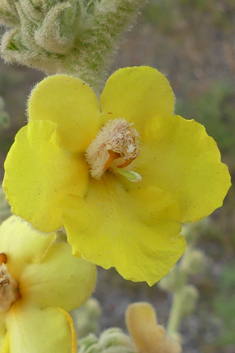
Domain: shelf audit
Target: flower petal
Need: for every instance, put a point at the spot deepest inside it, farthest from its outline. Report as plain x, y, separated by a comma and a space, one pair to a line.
39, 173
4, 336
137, 94
179, 157
13, 233
72, 105
142, 324
147, 335
59, 280
135, 231
35, 330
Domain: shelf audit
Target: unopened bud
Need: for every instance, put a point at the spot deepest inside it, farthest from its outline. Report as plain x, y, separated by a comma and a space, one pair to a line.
112, 340
86, 318
114, 337
173, 281
94, 348
93, 307
119, 349
72, 37
86, 342
147, 335
189, 299
193, 262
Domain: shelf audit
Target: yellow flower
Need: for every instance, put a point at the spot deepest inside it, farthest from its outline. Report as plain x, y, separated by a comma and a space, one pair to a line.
120, 176
39, 282
147, 335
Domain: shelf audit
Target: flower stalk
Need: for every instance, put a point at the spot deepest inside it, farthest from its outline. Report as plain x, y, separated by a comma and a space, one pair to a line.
185, 296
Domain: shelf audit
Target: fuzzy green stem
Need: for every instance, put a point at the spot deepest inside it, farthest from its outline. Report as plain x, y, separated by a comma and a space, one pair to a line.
175, 313
176, 309
101, 38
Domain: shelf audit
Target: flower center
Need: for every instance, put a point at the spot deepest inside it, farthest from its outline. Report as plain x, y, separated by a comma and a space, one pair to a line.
115, 147
9, 291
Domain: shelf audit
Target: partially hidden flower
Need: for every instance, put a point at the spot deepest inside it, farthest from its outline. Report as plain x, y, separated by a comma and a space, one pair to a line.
148, 336
120, 175
40, 281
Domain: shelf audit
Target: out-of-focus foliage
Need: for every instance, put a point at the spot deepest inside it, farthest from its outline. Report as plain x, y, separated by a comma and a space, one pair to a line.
4, 207
225, 305
4, 116
168, 14
216, 111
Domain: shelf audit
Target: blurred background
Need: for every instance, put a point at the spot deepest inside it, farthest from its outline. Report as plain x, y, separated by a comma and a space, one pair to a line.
193, 44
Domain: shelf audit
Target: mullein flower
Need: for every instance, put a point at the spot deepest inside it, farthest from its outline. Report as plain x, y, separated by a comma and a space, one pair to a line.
40, 281
119, 176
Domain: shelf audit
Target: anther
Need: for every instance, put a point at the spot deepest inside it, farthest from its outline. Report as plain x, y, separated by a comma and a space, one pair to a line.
3, 258
116, 145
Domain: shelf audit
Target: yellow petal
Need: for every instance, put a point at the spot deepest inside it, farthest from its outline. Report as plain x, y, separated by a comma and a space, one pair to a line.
22, 244
59, 280
72, 105
142, 323
38, 173
148, 337
35, 330
136, 231
4, 336
137, 94
179, 157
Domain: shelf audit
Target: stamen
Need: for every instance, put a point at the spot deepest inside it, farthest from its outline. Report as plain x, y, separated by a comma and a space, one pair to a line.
8, 288
112, 157
115, 145
3, 258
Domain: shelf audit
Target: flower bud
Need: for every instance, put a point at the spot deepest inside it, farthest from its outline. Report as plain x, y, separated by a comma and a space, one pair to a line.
189, 299
114, 337
86, 318
173, 280
112, 340
86, 342
147, 335
193, 261
68, 36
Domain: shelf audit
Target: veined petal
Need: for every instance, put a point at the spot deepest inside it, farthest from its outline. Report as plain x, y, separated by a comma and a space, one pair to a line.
38, 173
60, 279
72, 105
13, 233
35, 330
137, 94
135, 231
179, 157
4, 336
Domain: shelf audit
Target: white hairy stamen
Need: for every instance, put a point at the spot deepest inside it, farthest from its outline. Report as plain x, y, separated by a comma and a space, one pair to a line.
116, 144
8, 289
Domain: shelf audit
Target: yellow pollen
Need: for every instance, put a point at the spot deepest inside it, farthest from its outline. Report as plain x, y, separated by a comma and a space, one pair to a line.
116, 144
